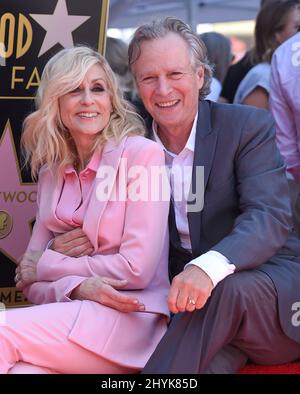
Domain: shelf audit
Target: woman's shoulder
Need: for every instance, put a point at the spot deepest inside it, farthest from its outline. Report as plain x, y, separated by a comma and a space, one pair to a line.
140, 150
137, 143
47, 175
44, 171
259, 75
259, 69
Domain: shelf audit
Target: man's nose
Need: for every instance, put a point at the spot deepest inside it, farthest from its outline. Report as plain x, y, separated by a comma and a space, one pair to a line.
163, 86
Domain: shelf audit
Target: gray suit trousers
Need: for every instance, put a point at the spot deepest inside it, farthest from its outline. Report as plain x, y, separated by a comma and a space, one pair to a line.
238, 323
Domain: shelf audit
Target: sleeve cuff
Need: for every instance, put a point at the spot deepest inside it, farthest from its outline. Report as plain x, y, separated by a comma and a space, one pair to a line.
215, 265
74, 282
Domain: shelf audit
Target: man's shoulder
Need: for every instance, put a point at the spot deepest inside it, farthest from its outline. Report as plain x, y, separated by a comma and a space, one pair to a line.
236, 114
235, 123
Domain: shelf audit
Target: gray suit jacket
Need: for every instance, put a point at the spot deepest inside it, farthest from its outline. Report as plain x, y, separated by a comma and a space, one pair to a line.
246, 214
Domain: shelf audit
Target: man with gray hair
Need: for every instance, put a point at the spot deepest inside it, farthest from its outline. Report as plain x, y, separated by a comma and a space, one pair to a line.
234, 263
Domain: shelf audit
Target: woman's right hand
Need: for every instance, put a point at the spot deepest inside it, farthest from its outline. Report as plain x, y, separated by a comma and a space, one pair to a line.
73, 243
104, 290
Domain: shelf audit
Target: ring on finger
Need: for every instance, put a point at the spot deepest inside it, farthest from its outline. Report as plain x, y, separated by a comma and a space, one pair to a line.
191, 301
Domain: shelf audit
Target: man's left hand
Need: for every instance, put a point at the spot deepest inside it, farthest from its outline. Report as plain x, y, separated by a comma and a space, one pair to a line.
189, 290
26, 270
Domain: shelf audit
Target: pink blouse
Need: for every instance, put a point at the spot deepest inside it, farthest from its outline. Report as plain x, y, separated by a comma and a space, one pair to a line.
76, 192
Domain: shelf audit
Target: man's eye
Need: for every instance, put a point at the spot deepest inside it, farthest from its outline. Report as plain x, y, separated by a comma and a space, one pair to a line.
176, 75
148, 79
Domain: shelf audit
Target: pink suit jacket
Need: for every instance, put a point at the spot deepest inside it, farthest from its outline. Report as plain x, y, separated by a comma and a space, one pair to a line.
130, 239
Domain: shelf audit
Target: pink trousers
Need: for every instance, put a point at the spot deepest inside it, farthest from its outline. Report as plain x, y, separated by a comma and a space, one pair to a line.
34, 340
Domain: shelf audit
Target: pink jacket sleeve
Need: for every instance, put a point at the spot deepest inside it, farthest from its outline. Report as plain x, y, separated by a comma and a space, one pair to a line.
47, 291
142, 241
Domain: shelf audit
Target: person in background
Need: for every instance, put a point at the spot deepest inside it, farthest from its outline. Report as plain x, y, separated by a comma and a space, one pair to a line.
102, 300
234, 262
238, 71
219, 55
116, 53
285, 107
277, 21
235, 74
285, 102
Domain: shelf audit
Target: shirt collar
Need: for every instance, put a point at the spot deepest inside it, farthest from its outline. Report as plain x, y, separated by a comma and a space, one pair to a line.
190, 144
93, 164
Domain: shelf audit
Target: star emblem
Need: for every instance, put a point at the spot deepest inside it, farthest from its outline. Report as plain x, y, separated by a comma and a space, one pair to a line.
59, 26
18, 206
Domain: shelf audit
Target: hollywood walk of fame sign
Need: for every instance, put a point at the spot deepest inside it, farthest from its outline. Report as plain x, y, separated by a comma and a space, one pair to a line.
30, 33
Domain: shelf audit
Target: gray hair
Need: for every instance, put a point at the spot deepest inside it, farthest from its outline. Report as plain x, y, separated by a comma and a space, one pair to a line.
159, 29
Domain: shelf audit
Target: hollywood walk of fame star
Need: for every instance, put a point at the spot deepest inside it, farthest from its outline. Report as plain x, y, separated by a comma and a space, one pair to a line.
17, 199
59, 26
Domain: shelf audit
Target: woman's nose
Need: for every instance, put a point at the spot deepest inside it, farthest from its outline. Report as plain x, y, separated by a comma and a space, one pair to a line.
87, 97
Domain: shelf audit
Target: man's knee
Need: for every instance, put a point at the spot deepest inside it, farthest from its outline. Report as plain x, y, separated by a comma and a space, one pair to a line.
245, 287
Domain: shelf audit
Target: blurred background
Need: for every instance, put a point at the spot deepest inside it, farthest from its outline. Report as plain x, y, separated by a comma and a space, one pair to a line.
233, 18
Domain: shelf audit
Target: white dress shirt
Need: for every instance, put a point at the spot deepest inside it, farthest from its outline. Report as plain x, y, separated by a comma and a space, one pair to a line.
216, 266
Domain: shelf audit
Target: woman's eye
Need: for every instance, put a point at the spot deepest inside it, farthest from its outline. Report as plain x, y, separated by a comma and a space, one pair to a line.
76, 90
98, 88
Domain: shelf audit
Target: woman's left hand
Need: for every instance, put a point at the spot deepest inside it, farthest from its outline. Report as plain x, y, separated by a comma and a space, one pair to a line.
26, 270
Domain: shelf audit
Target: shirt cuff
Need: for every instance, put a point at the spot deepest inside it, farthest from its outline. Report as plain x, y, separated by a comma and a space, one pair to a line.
214, 264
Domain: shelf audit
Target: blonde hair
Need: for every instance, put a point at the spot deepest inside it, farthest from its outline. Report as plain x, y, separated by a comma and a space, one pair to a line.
45, 140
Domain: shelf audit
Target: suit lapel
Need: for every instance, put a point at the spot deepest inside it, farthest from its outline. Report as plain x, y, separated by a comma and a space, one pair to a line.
111, 157
49, 202
174, 235
205, 145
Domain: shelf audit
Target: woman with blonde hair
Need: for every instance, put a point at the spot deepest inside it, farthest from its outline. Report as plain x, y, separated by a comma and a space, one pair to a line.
103, 295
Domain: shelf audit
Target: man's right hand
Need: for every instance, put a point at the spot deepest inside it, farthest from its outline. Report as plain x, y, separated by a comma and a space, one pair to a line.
191, 284
73, 243
104, 291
